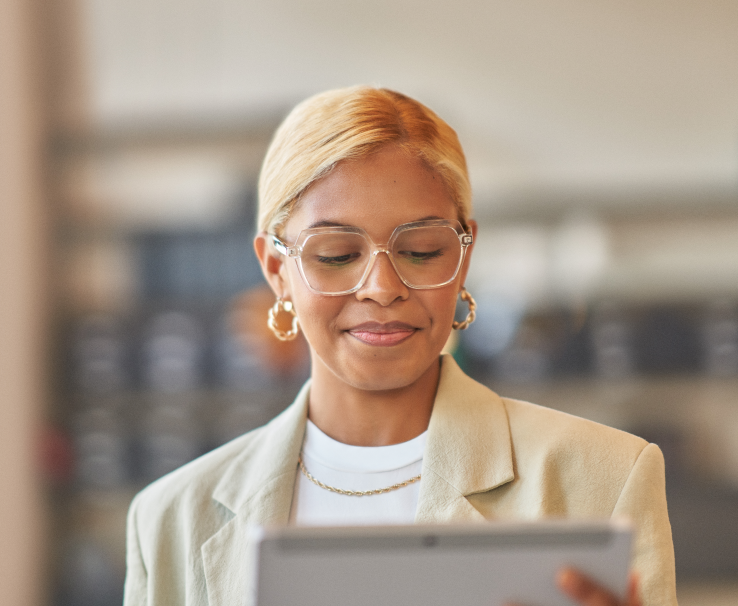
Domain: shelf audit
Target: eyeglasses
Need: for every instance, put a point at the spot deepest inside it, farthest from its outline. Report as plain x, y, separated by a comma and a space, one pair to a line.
338, 260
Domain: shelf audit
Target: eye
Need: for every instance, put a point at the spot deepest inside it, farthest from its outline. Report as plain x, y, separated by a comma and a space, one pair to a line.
419, 257
338, 261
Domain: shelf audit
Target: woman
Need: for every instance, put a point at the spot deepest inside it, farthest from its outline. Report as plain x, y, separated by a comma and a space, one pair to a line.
366, 239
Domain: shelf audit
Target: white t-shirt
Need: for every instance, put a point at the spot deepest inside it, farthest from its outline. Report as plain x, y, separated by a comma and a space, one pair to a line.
356, 468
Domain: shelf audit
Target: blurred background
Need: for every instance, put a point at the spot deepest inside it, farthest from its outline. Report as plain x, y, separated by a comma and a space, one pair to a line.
602, 139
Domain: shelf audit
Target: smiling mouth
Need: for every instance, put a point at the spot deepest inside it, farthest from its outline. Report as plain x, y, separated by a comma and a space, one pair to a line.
375, 333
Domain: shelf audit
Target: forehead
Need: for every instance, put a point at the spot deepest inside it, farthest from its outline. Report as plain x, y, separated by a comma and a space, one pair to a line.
376, 193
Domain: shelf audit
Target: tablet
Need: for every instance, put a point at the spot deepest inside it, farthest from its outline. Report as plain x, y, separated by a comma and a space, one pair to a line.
461, 565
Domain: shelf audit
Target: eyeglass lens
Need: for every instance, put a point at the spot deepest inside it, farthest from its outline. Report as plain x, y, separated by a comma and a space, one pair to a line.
423, 256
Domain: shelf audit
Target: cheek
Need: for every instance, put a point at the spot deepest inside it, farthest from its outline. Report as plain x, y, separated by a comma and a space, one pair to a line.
441, 307
317, 315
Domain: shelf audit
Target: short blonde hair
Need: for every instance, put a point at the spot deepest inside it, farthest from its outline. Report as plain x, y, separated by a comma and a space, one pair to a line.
351, 123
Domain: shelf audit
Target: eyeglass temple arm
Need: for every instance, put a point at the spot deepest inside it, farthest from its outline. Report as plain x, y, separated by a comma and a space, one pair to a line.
289, 251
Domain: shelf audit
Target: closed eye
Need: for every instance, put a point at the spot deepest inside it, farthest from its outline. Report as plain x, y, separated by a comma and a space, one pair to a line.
419, 257
339, 260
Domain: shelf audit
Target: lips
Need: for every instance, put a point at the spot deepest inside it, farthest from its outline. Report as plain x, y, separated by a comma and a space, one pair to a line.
376, 333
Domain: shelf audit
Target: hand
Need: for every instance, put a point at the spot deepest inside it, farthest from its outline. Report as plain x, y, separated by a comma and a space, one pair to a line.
586, 592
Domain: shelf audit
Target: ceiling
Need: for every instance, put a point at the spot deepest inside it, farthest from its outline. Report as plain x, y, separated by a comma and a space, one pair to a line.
559, 103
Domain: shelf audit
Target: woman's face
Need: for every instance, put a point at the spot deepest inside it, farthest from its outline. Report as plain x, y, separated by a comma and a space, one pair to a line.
385, 335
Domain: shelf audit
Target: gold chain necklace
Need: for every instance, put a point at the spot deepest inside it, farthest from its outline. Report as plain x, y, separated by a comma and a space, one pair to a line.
354, 493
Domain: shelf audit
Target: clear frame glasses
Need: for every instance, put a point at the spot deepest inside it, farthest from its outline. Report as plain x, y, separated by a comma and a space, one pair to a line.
337, 260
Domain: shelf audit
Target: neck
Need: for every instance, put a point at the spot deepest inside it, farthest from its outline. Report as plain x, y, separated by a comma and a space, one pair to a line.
363, 417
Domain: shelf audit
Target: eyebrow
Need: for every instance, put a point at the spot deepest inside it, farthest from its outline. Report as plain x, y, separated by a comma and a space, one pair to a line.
334, 224
328, 224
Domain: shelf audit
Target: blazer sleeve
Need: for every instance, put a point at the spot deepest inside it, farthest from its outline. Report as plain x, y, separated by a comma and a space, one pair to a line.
135, 592
643, 501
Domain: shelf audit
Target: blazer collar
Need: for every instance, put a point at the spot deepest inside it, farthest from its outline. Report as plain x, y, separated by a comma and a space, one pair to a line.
469, 449
257, 487
269, 458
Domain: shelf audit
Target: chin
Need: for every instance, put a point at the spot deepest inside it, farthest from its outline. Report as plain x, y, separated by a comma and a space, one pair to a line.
381, 383
375, 374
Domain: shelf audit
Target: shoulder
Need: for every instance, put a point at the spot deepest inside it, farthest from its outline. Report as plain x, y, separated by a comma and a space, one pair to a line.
175, 516
191, 487
550, 430
569, 465
533, 430
467, 409
233, 471
215, 485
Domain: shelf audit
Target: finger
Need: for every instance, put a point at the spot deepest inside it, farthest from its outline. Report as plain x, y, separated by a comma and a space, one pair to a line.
634, 590
584, 590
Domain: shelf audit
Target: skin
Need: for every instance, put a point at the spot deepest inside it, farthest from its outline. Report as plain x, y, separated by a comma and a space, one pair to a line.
375, 353
371, 388
586, 592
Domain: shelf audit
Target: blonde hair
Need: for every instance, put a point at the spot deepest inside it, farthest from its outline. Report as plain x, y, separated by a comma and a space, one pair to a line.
351, 123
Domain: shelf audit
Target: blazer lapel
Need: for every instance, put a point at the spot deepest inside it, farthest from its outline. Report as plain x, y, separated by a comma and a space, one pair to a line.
257, 487
468, 451
469, 448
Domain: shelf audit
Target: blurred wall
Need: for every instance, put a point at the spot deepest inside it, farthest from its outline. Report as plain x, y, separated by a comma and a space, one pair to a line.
22, 303
601, 139
552, 100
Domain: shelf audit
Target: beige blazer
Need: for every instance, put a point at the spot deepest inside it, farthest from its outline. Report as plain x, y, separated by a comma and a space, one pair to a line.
487, 458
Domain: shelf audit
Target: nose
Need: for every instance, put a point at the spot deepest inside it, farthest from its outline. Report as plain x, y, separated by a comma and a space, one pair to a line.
383, 285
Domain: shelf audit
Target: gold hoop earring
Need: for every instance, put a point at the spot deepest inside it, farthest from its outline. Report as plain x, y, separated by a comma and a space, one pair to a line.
283, 307
471, 316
